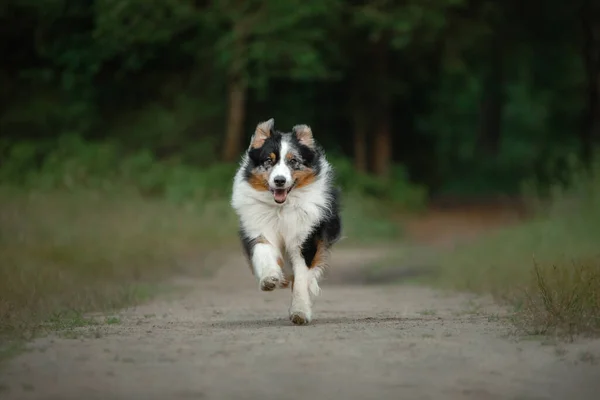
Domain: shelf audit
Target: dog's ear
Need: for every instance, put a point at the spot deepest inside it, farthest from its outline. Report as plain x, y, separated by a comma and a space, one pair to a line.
262, 133
304, 135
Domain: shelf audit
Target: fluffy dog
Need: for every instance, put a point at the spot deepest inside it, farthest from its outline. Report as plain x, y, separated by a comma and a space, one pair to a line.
288, 209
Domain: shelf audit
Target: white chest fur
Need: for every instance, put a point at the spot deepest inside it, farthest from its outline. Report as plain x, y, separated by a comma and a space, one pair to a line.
285, 226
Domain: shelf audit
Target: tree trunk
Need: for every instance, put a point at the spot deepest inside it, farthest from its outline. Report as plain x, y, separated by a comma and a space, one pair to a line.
382, 146
360, 142
590, 132
236, 104
492, 104
236, 111
359, 130
382, 154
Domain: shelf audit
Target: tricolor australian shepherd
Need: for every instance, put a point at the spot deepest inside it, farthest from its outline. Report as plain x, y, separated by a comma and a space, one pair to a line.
284, 197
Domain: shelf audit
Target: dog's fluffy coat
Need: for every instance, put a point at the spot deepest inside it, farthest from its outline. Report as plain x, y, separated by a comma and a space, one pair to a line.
288, 208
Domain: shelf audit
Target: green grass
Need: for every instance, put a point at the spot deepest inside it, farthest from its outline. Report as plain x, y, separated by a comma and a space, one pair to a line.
66, 252
495, 262
547, 268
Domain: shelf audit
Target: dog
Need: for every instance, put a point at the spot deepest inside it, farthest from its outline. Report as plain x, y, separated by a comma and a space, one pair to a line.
289, 213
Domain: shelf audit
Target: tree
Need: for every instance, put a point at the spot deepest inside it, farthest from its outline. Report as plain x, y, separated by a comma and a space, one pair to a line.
260, 40
493, 82
590, 26
392, 27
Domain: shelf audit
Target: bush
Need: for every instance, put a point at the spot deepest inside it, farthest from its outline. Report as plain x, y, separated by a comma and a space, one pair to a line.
71, 163
397, 190
564, 296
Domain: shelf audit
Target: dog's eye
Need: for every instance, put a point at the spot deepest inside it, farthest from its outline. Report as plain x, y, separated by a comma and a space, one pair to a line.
268, 162
294, 162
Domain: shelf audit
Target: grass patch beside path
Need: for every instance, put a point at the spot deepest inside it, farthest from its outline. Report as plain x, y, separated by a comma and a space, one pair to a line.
79, 252
548, 268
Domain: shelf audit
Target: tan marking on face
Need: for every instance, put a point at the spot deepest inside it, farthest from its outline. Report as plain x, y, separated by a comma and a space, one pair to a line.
303, 177
259, 181
272, 156
319, 257
289, 156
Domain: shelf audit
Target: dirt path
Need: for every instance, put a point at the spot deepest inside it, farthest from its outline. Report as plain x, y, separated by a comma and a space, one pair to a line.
226, 340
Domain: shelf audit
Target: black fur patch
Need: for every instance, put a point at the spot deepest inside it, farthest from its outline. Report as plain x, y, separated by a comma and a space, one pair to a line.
328, 231
258, 156
247, 243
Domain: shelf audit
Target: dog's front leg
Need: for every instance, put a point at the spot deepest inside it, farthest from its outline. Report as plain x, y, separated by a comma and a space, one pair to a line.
300, 310
267, 263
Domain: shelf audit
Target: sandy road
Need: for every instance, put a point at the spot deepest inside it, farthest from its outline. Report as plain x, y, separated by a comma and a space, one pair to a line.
224, 339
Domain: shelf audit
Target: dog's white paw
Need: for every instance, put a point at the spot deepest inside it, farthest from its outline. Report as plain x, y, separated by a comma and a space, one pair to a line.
272, 281
300, 312
299, 317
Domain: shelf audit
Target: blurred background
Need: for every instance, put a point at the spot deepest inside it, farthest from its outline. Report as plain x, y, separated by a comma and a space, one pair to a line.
122, 122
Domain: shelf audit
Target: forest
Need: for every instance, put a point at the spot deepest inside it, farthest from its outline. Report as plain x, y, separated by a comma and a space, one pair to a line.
462, 97
122, 123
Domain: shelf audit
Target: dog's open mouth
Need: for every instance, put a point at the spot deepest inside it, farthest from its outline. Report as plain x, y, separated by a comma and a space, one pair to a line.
280, 195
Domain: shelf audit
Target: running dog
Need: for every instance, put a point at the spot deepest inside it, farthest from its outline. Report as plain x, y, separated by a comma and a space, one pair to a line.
288, 210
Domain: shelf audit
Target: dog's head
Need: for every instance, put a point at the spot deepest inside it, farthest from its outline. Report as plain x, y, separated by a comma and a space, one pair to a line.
280, 162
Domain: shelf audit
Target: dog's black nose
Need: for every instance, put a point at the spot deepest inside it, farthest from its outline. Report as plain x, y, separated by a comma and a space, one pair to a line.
279, 181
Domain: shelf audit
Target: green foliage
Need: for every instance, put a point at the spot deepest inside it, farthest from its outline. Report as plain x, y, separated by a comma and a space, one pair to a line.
261, 41
74, 164
155, 74
121, 25
397, 190
403, 21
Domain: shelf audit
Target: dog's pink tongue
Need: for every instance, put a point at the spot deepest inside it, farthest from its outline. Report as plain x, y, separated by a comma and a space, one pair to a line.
280, 195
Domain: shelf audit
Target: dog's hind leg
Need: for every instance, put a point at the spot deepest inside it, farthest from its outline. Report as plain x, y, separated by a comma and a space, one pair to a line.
267, 265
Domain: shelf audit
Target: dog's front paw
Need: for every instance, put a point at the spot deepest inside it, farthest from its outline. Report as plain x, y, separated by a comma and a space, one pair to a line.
300, 317
271, 281
300, 313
